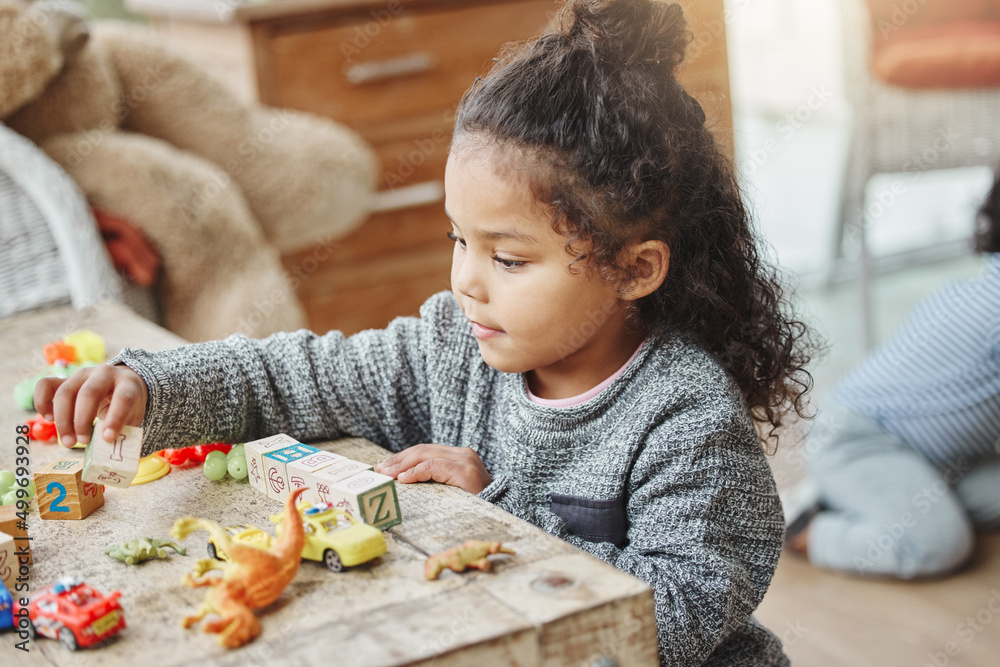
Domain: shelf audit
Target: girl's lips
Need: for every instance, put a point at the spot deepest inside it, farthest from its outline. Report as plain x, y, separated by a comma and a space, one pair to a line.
484, 333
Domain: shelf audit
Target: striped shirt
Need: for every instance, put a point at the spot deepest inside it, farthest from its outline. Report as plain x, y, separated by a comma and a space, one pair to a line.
936, 382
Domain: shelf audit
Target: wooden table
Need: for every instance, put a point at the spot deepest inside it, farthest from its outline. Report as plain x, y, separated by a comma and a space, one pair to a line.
550, 604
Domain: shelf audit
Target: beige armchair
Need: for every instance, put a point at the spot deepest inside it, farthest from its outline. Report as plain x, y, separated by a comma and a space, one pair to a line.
924, 81
50, 250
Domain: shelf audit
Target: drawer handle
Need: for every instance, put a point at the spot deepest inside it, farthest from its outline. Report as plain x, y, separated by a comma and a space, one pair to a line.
418, 194
378, 70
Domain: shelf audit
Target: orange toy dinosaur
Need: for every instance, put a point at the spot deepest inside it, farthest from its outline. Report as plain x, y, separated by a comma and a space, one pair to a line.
250, 579
470, 554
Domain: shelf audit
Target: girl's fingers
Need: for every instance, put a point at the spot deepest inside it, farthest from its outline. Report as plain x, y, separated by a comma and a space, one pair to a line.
63, 403
403, 460
45, 389
411, 456
438, 470
455, 466
120, 411
88, 400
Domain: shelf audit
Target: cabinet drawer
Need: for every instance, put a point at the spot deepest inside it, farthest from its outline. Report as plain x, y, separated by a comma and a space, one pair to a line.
366, 73
367, 295
390, 234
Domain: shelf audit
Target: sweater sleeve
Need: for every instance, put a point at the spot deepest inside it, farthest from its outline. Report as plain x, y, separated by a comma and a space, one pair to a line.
705, 532
371, 385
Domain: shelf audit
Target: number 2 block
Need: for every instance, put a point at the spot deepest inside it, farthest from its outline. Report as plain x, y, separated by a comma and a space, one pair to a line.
62, 493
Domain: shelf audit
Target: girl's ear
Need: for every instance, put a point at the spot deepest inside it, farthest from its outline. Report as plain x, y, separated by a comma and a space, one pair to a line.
649, 262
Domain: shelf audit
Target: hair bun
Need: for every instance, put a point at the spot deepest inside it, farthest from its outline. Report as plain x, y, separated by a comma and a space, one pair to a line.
628, 32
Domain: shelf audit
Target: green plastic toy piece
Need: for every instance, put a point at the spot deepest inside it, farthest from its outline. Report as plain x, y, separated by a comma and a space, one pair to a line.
9, 487
215, 466
24, 393
142, 549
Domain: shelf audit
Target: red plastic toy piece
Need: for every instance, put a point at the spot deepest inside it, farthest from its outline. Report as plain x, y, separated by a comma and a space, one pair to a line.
41, 430
74, 613
192, 455
59, 351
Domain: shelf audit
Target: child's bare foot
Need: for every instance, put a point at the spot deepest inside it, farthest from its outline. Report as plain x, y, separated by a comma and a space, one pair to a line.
800, 504
799, 543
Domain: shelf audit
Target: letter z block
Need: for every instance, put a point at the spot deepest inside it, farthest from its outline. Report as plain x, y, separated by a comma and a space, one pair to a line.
368, 496
62, 493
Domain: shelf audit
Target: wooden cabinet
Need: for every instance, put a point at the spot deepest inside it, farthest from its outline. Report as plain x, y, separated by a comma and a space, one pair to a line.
394, 71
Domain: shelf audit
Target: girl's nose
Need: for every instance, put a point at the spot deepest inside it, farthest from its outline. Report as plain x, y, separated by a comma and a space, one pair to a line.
465, 277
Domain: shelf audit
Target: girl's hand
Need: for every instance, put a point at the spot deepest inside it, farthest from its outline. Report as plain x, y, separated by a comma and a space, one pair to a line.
74, 402
455, 466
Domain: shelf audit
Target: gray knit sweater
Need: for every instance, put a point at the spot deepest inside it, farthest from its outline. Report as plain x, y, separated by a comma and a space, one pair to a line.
661, 474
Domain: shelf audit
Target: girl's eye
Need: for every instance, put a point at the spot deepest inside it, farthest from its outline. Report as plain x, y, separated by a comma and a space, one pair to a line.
457, 239
508, 263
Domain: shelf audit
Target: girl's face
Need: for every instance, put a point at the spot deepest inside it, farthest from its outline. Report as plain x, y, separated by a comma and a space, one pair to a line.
510, 275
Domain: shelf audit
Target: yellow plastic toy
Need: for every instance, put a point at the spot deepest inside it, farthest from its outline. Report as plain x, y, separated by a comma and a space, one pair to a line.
151, 468
335, 537
252, 577
89, 346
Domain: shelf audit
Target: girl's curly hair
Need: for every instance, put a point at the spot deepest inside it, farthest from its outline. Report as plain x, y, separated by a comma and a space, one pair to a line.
620, 153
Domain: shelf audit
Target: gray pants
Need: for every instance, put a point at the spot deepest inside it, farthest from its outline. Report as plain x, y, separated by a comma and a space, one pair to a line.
889, 511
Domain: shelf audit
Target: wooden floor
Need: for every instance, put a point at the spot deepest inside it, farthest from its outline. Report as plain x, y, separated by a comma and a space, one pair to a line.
832, 620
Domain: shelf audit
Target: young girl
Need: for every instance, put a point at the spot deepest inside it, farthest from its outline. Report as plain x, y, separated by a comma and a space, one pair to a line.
609, 339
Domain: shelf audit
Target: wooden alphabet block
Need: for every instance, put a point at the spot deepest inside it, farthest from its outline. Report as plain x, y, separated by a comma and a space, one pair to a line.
255, 451
114, 464
62, 493
16, 528
276, 468
300, 470
368, 496
320, 481
8, 561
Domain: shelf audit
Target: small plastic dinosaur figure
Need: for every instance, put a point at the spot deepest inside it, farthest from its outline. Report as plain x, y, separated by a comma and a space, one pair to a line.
142, 549
252, 577
471, 554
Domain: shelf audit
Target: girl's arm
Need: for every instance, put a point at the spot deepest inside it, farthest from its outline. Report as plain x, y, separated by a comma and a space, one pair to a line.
371, 385
705, 531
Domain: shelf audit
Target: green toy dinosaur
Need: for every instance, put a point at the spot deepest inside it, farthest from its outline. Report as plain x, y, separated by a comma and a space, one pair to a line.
142, 549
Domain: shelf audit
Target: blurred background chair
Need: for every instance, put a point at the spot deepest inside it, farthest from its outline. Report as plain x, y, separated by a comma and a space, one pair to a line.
50, 249
924, 82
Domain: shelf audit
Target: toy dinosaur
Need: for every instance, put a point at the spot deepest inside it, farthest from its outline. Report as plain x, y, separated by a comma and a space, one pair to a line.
467, 555
251, 577
142, 549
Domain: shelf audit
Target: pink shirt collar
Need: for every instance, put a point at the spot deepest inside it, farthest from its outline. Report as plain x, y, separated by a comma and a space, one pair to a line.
585, 396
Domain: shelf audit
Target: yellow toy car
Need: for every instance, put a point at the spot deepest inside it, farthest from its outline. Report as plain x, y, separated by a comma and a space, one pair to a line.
332, 536
244, 533
335, 537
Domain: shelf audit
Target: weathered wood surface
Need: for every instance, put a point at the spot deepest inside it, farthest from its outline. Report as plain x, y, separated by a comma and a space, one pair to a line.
550, 604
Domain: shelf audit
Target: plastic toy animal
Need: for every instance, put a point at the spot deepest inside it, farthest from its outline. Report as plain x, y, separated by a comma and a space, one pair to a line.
250, 579
467, 555
142, 549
